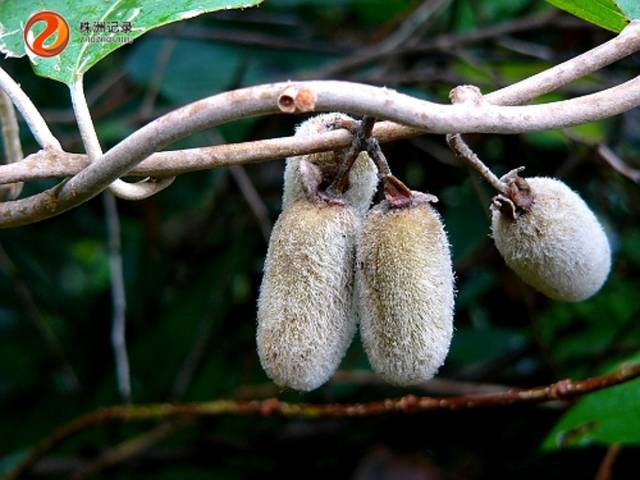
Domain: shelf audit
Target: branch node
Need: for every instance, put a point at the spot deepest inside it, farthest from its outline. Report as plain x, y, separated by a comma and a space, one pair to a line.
297, 100
465, 94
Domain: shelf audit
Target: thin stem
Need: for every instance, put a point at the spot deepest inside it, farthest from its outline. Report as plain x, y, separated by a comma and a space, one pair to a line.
375, 152
606, 467
409, 404
11, 142
609, 156
120, 188
253, 199
118, 296
160, 66
464, 152
445, 42
361, 132
118, 324
29, 112
412, 24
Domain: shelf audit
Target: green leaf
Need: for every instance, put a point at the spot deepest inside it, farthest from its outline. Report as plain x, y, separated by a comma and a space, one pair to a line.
631, 8
604, 13
79, 56
605, 417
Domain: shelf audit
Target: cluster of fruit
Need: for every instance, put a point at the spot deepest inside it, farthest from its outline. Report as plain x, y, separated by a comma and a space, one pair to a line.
333, 263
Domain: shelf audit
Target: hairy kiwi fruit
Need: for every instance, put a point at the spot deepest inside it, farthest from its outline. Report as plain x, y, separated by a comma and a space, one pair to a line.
556, 244
405, 286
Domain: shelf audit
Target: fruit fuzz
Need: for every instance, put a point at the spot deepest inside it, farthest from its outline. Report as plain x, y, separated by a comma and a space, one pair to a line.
306, 318
405, 286
555, 244
305, 310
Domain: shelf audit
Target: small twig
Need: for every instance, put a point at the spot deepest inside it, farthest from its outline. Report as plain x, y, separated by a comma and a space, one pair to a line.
118, 294
11, 142
118, 298
29, 112
562, 390
412, 24
249, 38
608, 155
253, 199
367, 378
444, 42
375, 152
529, 49
627, 42
606, 467
435, 386
361, 132
464, 152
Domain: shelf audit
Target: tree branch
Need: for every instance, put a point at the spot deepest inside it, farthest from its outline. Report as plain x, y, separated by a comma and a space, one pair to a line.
317, 96
482, 117
564, 389
49, 164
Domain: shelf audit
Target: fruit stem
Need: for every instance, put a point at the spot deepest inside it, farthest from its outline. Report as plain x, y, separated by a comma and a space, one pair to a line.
361, 132
463, 151
375, 152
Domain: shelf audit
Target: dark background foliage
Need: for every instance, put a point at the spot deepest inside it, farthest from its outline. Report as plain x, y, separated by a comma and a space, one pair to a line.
193, 257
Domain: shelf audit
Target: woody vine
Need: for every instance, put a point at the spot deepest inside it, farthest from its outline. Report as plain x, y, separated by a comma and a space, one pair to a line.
397, 116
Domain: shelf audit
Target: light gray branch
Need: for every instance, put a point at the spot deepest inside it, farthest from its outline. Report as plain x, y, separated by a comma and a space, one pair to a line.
120, 188
118, 297
481, 117
318, 96
29, 112
626, 43
118, 294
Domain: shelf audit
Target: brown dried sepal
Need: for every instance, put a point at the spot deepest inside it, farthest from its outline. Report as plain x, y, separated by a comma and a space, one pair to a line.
517, 198
397, 193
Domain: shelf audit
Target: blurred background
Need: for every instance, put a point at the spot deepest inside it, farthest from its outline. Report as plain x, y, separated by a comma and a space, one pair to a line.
193, 257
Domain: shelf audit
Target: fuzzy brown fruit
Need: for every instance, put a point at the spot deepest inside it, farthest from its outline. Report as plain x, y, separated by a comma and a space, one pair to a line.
556, 245
405, 286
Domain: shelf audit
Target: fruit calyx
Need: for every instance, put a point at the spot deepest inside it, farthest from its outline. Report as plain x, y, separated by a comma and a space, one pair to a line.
517, 197
399, 196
